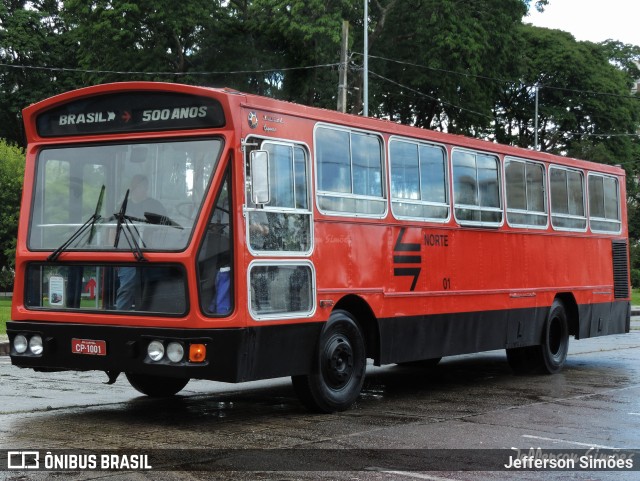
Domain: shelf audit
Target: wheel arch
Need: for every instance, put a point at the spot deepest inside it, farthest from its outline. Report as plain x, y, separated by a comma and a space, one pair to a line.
366, 320
571, 309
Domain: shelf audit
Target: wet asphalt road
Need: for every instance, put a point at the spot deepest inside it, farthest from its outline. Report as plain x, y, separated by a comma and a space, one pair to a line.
467, 402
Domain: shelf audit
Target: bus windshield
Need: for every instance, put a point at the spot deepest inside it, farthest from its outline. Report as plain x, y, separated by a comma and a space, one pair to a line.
137, 197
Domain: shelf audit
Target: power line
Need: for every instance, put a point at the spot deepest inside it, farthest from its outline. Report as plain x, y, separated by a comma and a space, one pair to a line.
501, 80
422, 94
177, 74
335, 65
327, 65
442, 102
605, 134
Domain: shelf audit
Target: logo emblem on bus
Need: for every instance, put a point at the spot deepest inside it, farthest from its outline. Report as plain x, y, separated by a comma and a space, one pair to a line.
253, 120
406, 253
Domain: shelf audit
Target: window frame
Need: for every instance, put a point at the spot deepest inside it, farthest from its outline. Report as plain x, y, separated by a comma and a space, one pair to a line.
456, 206
37, 204
280, 315
509, 159
447, 185
281, 210
319, 193
584, 200
618, 221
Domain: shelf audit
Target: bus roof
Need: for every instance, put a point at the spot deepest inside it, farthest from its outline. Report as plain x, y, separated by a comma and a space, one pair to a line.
230, 97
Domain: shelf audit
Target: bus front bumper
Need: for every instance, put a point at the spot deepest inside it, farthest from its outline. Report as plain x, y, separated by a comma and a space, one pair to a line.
79, 347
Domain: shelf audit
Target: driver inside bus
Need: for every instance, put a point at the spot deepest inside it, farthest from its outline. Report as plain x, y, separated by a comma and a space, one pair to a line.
130, 282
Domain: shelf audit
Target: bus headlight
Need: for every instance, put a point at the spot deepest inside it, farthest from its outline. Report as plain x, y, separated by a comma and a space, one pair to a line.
175, 351
20, 344
35, 345
155, 350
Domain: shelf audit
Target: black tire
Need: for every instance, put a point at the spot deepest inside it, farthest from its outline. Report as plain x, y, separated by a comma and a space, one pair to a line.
337, 369
548, 357
156, 386
555, 340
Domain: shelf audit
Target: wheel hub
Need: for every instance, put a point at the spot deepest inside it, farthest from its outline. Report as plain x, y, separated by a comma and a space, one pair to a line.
338, 362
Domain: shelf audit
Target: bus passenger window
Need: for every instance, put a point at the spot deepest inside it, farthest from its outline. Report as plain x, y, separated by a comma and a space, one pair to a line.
476, 184
284, 224
567, 199
418, 180
281, 290
604, 204
350, 174
526, 193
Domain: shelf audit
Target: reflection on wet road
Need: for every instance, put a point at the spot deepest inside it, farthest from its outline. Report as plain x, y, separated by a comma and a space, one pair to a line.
470, 402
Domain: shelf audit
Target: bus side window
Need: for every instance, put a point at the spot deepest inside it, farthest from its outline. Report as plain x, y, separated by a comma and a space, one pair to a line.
476, 186
604, 204
350, 172
525, 193
567, 199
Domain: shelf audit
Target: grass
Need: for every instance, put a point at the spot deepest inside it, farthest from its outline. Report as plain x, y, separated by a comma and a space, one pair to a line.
5, 313
635, 297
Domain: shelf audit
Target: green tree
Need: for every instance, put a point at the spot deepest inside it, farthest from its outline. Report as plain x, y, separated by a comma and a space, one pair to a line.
585, 106
12, 161
151, 36
273, 46
421, 46
32, 34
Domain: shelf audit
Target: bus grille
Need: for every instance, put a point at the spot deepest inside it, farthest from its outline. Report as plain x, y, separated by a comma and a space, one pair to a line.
620, 270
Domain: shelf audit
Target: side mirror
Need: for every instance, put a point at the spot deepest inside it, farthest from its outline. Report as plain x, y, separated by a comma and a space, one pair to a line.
260, 192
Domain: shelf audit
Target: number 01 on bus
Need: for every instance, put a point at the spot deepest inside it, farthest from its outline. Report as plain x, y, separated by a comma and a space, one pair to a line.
172, 232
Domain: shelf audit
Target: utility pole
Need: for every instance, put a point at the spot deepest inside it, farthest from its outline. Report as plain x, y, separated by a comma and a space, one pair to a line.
342, 82
365, 74
535, 120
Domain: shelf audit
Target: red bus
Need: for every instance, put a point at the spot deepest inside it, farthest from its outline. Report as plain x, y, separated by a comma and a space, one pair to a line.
172, 232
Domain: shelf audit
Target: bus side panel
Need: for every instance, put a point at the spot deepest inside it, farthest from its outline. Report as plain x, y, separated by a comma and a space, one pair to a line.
283, 350
415, 338
430, 336
604, 319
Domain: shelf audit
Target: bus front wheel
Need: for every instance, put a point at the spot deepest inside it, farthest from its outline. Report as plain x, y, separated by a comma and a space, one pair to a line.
337, 368
156, 386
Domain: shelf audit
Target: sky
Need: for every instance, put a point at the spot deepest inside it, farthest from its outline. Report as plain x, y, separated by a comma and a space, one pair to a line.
593, 20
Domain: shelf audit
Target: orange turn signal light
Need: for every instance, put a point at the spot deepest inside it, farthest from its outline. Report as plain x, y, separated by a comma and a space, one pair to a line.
197, 352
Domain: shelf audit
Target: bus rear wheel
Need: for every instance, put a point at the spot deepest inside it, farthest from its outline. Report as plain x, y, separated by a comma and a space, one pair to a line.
548, 357
156, 386
337, 368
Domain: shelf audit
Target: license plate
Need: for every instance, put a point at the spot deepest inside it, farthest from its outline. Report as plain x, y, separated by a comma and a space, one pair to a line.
89, 346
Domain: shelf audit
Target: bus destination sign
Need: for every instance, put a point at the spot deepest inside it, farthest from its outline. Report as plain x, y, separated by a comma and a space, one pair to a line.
131, 112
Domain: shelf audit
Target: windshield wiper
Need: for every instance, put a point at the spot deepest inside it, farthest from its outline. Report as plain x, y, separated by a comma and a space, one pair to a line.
90, 224
129, 230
